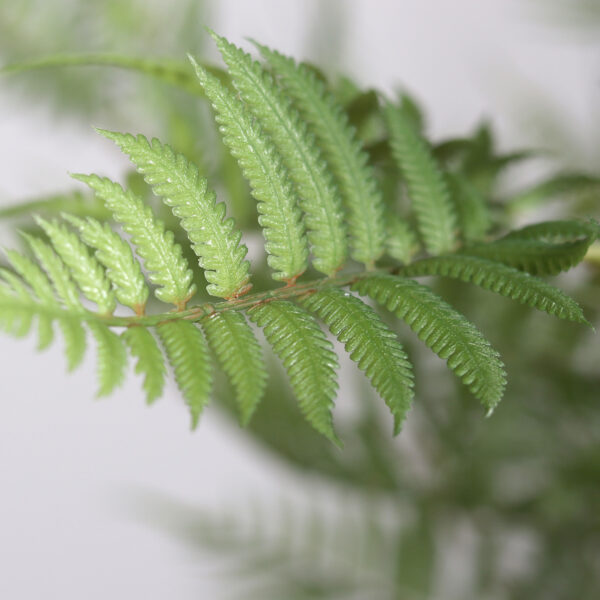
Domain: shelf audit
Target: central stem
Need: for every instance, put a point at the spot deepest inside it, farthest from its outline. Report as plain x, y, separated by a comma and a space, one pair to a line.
195, 313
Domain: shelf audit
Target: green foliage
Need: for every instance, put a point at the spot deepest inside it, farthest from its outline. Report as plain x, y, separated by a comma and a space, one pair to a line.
85, 270
150, 363
111, 356
537, 258
115, 254
317, 194
426, 186
347, 160
401, 242
162, 256
503, 280
240, 356
474, 216
444, 330
213, 237
315, 187
187, 352
370, 344
307, 356
280, 217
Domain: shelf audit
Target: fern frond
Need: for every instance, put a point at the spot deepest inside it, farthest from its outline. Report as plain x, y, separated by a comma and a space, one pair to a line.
162, 256
537, 258
215, 240
150, 361
474, 218
318, 195
307, 356
504, 280
41, 287
115, 254
240, 356
401, 242
343, 152
280, 218
371, 345
187, 352
427, 189
111, 358
85, 269
444, 330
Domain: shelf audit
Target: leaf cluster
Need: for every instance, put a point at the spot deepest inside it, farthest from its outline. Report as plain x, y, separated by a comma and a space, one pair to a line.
330, 232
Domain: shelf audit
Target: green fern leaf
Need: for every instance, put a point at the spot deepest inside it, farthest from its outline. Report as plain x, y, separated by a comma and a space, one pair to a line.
72, 330
240, 356
162, 256
473, 212
318, 196
150, 360
187, 352
86, 270
427, 189
401, 242
371, 345
307, 356
280, 217
38, 282
444, 330
537, 258
214, 239
557, 231
111, 358
503, 280
19, 321
343, 152
115, 254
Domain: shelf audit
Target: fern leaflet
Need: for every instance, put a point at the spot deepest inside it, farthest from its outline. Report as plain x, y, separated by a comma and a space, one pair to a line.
401, 242
318, 196
116, 256
150, 361
214, 239
473, 212
72, 330
354, 177
188, 355
240, 356
111, 358
162, 256
371, 345
426, 186
86, 270
307, 356
500, 279
537, 258
444, 330
17, 318
557, 231
38, 282
280, 218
